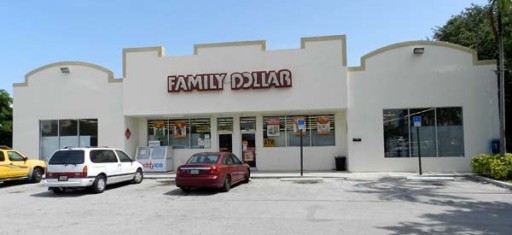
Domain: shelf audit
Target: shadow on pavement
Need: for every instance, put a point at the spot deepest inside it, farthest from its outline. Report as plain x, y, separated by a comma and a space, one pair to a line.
77, 192
193, 192
461, 215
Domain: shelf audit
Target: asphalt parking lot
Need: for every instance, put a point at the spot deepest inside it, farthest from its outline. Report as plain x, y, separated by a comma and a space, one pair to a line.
263, 206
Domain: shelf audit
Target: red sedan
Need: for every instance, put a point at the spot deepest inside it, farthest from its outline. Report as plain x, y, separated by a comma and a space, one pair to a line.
212, 170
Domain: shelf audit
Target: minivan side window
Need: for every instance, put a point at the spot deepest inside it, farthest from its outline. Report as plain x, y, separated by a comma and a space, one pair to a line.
123, 157
2, 156
103, 156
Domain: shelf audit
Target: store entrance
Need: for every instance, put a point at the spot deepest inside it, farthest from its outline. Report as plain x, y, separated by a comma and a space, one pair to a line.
226, 142
249, 149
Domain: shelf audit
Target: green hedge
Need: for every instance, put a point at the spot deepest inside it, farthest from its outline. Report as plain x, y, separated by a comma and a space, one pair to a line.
493, 166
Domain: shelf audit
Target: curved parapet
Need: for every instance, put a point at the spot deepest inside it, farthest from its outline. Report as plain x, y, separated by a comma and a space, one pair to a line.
63, 64
413, 44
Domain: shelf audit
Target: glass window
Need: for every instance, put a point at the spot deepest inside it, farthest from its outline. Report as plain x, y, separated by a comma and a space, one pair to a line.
123, 157
322, 131
67, 157
49, 140
190, 133
427, 133
396, 132
2, 157
15, 157
236, 160
203, 159
294, 134
282, 131
103, 156
158, 130
179, 134
200, 133
49, 128
88, 132
440, 134
57, 134
450, 134
274, 131
247, 124
225, 125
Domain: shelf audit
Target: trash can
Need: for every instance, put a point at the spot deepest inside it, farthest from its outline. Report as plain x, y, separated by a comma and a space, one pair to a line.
341, 163
494, 146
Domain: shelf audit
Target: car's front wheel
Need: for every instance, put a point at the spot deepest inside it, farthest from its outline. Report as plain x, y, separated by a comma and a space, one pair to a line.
138, 177
99, 185
247, 176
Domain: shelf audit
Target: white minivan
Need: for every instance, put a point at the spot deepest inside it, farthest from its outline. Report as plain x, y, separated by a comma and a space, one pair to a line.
91, 167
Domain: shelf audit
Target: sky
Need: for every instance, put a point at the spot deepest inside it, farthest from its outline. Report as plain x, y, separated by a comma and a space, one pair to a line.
36, 33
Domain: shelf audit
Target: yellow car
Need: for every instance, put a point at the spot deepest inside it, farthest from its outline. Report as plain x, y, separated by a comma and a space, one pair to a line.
15, 166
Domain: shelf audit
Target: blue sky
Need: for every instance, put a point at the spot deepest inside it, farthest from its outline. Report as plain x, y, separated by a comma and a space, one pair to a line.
36, 33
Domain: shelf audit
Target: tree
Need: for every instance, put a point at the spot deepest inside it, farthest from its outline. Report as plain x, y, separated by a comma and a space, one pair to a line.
5, 118
475, 28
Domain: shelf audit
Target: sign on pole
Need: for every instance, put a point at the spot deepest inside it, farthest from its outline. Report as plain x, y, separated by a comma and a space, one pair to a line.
416, 120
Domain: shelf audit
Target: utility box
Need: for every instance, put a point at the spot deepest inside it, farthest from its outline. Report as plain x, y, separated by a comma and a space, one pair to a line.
341, 163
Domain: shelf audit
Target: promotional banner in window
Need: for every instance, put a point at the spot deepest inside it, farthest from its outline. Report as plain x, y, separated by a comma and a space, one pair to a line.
323, 125
296, 121
159, 128
180, 130
273, 127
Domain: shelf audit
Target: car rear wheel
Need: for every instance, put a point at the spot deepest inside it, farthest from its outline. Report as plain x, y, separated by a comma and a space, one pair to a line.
185, 189
57, 190
138, 177
37, 175
227, 184
99, 184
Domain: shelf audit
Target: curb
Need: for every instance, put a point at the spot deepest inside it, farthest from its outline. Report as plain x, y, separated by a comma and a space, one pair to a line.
490, 181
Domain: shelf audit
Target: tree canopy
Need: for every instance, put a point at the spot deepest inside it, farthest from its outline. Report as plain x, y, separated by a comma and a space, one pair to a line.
5, 118
472, 28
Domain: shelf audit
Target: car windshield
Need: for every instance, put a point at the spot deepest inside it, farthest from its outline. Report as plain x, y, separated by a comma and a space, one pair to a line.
207, 159
67, 157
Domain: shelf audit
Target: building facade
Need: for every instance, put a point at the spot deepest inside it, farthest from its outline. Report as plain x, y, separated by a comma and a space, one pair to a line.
432, 99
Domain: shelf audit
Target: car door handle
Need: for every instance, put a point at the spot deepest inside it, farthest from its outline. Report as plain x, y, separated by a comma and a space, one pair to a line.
119, 164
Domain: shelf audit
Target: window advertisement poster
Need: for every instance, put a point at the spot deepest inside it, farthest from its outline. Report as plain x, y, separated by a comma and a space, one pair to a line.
323, 125
273, 127
159, 128
298, 123
248, 155
180, 130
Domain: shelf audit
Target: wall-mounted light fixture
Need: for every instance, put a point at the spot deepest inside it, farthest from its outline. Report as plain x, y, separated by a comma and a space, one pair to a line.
64, 70
418, 50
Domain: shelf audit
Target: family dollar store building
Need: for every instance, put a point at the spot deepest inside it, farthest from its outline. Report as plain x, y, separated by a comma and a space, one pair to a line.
243, 98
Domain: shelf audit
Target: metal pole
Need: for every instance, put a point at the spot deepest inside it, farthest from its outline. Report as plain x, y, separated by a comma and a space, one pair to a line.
419, 149
301, 156
501, 68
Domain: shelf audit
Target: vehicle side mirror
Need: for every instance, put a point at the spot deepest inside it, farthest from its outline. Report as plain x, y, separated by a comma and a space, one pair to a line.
25, 159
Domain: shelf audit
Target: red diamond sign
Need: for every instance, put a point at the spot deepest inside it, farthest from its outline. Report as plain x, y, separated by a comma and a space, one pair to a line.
127, 133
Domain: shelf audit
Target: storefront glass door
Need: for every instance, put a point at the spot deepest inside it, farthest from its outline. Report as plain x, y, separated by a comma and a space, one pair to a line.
225, 130
248, 134
225, 142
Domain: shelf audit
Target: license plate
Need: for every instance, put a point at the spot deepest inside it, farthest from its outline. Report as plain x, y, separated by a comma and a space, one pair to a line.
194, 172
63, 178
